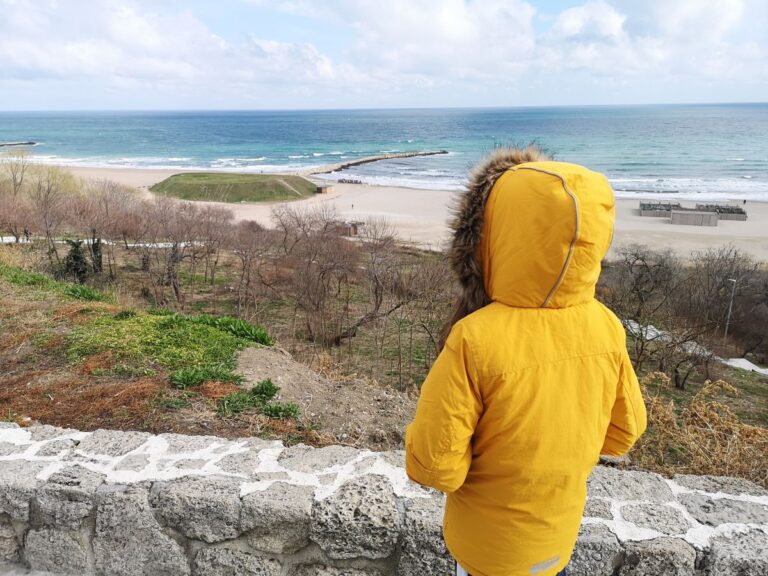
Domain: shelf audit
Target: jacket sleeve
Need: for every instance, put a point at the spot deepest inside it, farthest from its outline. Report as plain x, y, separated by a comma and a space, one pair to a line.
628, 417
438, 443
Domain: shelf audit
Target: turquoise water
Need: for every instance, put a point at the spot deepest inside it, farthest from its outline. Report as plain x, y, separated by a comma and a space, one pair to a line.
701, 151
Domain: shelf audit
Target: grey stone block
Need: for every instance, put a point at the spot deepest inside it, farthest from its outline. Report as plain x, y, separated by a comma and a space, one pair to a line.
739, 555
302, 458
320, 570
183, 464
133, 462
56, 551
725, 484
56, 447
271, 476
228, 562
661, 556
8, 449
244, 463
128, 540
203, 508
40, 432
605, 482
257, 444
423, 548
9, 544
18, 482
395, 458
278, 518
714, 511
598, 508
360, 519
67, 498
111, 442
180, 443
659, 517
597, 552
8, 425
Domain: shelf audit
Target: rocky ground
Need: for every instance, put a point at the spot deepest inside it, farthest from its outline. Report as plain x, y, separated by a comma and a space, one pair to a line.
353, 411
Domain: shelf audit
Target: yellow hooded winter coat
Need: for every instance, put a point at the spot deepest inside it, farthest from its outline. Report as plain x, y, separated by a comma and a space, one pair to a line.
530, 389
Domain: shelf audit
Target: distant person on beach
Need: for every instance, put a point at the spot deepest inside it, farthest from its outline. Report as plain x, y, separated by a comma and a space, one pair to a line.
533, 382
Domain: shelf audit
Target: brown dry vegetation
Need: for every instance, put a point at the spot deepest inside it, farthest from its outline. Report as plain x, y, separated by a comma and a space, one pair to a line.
702, 437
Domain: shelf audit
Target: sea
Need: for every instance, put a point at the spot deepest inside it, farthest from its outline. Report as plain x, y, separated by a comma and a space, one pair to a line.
704, 152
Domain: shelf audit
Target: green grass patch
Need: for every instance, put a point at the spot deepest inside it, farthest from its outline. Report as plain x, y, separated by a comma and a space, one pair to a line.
281, 410
124, 314
35, 279
172, 402
82, 292
236, 327
192, 376
259, 398
24, 278
235, 187
171, 342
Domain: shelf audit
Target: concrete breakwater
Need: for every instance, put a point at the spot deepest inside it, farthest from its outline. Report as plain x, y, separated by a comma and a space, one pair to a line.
131, 503
327, 168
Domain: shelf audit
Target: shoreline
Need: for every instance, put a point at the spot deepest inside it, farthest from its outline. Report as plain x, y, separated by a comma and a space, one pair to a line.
420, 216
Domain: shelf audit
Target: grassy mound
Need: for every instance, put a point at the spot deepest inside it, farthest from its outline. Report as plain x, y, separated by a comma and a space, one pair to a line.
234, 187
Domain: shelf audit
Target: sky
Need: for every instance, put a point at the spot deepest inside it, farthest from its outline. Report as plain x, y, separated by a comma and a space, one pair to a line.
319, 54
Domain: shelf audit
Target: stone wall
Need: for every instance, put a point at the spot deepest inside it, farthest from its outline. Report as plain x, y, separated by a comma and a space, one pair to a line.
129, 503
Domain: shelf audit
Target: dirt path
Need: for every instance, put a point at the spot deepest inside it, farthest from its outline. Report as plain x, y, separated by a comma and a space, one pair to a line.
356, 412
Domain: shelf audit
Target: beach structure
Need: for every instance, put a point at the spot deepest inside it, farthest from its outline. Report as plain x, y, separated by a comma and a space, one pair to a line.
694, 218
323, 189
702, 215
658, 209
349, 228
724, 211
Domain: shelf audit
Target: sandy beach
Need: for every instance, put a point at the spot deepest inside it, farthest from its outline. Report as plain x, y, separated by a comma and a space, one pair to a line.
420, 216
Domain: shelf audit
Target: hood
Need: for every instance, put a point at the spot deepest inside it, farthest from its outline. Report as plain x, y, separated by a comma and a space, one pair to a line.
530, 234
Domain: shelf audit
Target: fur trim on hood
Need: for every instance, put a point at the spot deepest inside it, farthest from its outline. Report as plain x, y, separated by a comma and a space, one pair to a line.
467, 226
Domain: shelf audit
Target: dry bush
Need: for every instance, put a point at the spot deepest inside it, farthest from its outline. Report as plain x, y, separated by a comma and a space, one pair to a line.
11, 256
704, 437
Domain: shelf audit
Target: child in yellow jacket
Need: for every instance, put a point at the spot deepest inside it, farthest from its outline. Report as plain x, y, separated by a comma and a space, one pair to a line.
533, 382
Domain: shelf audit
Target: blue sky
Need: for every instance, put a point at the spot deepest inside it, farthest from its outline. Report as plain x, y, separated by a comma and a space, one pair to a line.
263, 54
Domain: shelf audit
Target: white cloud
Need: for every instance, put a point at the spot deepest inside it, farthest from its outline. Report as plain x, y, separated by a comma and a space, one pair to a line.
595, 19
402, 51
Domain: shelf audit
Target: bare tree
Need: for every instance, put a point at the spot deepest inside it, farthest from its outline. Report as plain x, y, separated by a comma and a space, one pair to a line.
49, 189
252, 245
14, 206
706, 290
645, 289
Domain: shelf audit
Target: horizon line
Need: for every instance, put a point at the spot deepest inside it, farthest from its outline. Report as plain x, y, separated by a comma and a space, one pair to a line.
370, 109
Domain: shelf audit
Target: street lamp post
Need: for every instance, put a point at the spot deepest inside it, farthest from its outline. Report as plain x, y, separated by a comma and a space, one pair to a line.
730, 307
